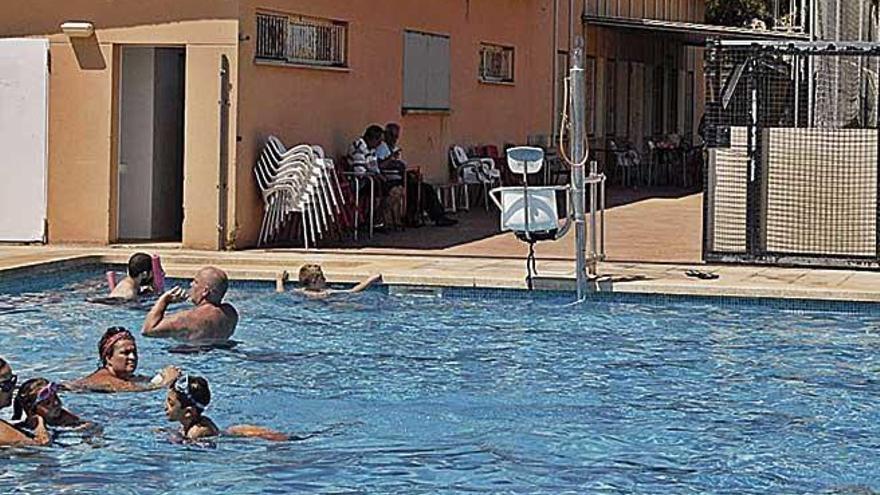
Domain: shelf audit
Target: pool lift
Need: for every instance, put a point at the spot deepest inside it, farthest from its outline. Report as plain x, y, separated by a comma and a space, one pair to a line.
532, 212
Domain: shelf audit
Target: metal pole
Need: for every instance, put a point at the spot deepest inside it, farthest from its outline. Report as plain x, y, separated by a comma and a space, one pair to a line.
578, 151
811, 80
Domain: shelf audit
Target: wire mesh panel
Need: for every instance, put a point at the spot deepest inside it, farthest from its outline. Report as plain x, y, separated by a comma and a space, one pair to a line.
793, 173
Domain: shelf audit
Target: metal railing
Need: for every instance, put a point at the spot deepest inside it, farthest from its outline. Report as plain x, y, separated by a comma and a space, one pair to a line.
301, 40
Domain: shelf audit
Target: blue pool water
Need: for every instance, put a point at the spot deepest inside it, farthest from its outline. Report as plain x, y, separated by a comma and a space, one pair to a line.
469, 394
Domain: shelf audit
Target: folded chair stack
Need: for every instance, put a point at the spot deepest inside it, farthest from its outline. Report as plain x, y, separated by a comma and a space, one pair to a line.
297, 183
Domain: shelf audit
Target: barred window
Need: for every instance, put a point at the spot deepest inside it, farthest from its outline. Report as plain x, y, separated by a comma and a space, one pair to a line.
302, 40
496, 63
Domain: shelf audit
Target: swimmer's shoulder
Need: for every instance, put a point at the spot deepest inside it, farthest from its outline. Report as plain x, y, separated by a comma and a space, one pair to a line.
206, 428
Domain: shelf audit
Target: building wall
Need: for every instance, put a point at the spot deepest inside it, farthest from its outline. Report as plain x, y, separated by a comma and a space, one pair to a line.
83, 100
332, 107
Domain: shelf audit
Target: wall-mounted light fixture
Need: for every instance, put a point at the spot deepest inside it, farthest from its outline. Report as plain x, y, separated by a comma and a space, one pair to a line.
78, 29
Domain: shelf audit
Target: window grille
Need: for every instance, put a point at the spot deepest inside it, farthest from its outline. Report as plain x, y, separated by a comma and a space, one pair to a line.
496, 63
301, 40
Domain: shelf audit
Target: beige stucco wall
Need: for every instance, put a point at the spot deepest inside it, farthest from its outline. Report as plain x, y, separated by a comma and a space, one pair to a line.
82, 120
331, 107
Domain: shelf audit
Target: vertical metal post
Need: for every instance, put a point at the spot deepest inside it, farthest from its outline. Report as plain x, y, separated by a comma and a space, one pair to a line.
594, 231
811, 70
579, 152
223, 172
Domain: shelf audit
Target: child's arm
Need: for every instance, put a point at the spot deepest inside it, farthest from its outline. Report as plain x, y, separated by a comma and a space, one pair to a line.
279, 281
364, 284
252, 431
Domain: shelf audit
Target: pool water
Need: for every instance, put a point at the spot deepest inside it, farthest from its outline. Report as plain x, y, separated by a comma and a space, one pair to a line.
472, 393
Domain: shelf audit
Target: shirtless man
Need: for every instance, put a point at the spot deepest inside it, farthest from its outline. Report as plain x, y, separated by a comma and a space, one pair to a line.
211, 320
139, 279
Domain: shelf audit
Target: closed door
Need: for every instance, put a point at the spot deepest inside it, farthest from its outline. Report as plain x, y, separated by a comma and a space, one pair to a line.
24, 103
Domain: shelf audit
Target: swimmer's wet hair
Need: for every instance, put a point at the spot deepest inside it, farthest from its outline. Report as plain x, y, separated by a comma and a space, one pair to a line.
3, 363
309, 274
139, 263
26, 397
109, 339
198, 394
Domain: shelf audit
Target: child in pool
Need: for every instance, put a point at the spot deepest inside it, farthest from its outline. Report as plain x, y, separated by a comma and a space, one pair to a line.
9, 434
312, 283
186, 402
138, 280
37, 400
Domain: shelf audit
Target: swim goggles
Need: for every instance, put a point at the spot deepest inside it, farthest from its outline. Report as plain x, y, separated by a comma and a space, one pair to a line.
47, 393
8, 385
181, 386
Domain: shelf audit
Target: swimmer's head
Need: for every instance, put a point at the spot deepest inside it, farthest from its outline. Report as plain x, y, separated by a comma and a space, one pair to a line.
140, 268
38, 396
7, 384
117, 351
311, 277
209, 284
187, 398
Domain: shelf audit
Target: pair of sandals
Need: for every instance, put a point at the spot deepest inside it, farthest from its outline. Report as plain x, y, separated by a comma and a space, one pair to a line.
702, 275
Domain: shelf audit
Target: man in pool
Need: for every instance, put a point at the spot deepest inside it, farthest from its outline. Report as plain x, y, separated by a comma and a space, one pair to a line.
312, 283
139, 279
210, 321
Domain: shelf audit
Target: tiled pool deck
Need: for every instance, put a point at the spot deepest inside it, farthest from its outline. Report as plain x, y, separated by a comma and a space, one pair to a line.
477, 272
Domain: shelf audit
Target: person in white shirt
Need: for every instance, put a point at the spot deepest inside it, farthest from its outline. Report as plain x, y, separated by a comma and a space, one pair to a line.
388, 157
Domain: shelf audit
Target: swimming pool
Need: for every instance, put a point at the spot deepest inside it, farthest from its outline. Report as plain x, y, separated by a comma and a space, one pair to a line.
470, 393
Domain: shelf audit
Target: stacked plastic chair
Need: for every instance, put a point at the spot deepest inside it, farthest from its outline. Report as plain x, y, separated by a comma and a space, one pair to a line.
297, 182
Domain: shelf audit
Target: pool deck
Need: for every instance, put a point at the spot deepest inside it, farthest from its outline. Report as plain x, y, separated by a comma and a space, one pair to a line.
406, 268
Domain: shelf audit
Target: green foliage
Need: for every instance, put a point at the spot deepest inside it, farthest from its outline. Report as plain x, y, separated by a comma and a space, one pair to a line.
738, 13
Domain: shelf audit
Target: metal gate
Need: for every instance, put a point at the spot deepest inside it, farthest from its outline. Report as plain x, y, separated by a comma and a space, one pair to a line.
792, 130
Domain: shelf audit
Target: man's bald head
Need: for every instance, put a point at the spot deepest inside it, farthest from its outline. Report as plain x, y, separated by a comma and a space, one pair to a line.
214, 282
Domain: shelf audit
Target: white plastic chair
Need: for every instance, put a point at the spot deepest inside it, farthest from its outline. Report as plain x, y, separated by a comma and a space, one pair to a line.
474, 171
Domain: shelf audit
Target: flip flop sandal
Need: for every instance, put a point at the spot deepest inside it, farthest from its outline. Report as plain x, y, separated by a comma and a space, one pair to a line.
701, 275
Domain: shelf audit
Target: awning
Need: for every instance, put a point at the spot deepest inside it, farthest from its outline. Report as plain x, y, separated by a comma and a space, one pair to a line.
689, 32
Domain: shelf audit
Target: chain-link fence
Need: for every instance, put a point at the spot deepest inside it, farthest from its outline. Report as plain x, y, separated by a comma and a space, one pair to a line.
793, 136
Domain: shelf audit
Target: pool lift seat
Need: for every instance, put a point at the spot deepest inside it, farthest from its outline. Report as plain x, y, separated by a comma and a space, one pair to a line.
531, 213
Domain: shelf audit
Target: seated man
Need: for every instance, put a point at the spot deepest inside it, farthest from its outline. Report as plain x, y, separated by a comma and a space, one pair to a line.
211, 320
139, 279
362, 159
388, 156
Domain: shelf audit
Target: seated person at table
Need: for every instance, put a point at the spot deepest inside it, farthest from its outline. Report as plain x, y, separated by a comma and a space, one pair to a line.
312, 283
138, 280
212, 320
388, 156
186, 402
362, 159
117, 351
10, 435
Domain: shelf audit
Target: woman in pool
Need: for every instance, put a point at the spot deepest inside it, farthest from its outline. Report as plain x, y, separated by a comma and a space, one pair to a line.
37, 400
312, 283
117, 351
186, 402
10, 435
